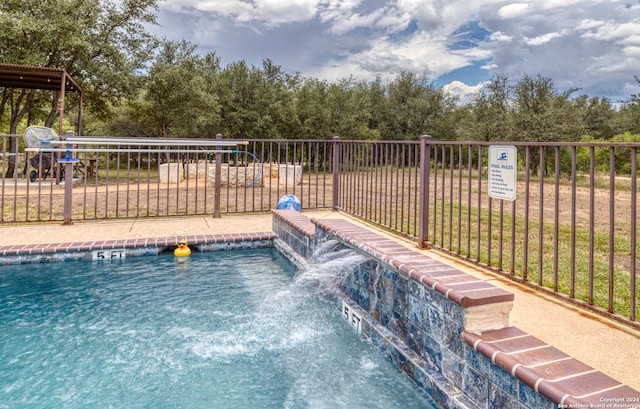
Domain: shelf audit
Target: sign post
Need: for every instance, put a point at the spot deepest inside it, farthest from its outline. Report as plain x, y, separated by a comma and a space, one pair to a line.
503, 167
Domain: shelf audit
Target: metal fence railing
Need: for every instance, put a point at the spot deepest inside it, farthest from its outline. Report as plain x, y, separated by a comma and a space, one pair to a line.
380, 183
571, 230
132, 181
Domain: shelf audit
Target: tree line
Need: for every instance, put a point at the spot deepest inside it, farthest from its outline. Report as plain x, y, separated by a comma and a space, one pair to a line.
139, 85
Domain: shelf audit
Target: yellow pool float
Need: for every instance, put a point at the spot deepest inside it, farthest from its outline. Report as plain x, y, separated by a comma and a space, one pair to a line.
183, 249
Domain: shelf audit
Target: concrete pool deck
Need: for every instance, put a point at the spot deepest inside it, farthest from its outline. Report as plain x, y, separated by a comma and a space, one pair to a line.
603, 344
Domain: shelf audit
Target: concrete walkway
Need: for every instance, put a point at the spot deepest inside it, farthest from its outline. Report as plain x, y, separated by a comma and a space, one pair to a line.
599, 342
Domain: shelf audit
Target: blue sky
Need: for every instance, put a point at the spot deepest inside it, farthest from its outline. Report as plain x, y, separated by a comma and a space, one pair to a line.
593, 45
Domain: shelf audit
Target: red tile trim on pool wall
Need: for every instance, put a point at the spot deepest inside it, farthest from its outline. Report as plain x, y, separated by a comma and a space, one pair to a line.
461, 288
33, 249
549, 371
300, 222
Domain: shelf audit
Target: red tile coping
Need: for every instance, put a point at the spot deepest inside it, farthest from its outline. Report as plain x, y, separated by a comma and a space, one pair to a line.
555, 375
201, 239
297, 220
461, 288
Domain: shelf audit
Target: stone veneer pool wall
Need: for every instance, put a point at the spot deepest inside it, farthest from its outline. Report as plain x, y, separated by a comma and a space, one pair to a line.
448, 330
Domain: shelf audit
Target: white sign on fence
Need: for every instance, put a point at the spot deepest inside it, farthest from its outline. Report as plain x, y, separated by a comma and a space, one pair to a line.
503, 167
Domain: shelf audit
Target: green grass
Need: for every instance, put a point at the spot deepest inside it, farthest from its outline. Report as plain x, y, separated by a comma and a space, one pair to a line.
543, 272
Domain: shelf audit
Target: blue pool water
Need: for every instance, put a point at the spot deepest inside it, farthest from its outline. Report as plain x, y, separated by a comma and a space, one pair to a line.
221, 330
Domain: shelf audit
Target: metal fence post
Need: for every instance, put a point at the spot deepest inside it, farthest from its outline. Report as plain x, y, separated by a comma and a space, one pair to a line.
425, 174
335, 204
68, 182
217, 181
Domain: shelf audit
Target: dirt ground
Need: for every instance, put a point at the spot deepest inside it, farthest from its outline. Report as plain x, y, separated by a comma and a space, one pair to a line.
586, 204
45, 201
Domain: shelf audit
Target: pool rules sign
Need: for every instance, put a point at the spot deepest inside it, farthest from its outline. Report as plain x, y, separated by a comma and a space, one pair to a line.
503, 166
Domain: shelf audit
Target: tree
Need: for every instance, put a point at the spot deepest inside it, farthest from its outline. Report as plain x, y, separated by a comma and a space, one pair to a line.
415, 107
175, 101
543, 114
100, 43
630, 113
324, 110
491, 111
272, 101
597, 116
257, 102
378, 105
349, 110
312, 110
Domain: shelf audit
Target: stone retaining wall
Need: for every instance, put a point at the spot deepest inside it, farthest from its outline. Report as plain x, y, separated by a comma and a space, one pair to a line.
262, 174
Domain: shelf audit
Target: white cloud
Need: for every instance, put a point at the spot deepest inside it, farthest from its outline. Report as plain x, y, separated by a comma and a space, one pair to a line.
343, 24
589, 24
337, 70
591, 44
614, 31
268, 12
500, 36
278, 11
421, 53
632, 52
465, 93
544, 38
393, 22
514, 10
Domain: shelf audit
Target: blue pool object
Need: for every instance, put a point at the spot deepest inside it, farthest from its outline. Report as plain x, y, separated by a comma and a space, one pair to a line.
289, 202
232, 329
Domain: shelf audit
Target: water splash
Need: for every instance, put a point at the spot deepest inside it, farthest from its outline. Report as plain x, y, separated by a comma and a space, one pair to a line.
233, 332
376, 274
330, 265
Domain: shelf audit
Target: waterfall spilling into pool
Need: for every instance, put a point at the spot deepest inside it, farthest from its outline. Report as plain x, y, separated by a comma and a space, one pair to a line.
220, 330
329, 266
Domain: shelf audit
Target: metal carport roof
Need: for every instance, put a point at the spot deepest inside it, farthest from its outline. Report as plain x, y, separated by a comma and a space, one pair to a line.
47, 78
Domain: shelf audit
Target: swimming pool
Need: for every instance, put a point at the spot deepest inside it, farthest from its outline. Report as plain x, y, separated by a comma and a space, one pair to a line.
220, 330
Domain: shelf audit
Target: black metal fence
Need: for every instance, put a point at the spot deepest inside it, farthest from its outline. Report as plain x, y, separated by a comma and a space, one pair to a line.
380, 182
132, 181
571, 230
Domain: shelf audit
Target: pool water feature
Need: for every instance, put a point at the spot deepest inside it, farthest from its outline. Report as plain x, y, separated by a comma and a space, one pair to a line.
218, 330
